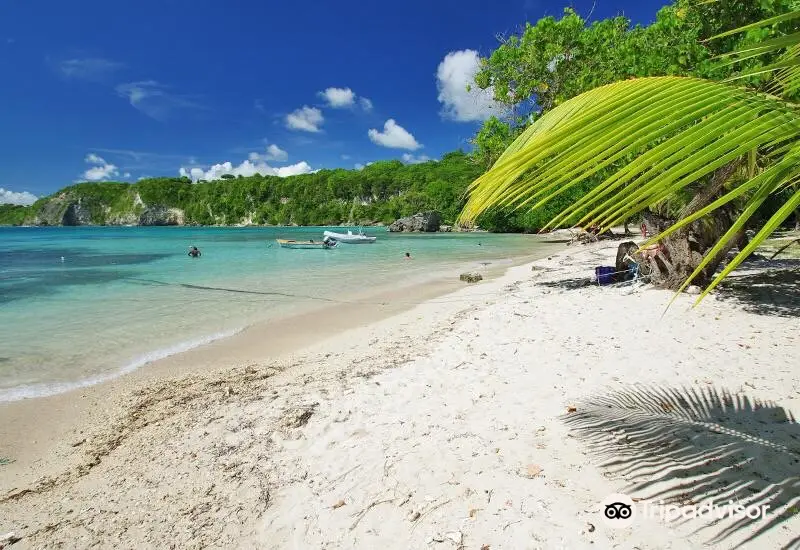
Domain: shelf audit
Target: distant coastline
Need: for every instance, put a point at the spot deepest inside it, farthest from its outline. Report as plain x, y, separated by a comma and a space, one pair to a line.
376, 196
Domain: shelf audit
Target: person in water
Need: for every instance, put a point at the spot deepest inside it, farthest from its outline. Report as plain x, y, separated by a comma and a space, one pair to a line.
408, 255
193, 252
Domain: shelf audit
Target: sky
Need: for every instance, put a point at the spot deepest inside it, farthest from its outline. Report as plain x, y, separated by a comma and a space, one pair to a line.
99, 90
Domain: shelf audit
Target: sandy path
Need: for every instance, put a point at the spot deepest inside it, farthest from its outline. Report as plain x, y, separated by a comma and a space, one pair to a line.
447, 427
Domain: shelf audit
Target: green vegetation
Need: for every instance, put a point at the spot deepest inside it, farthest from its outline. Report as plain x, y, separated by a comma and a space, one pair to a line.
554, 60
380, 193
557, 59
11, 214
722, 156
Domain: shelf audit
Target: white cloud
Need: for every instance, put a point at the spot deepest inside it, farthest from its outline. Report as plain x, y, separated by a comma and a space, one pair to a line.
296, 169
100, 173
246, 168
345, 157
344, 98
101, 170
307, 119
408, 158
276, 153
88, 68
153, 99
456, 72
92, 158
273, 153
16, 197
339, 98
394, 136
126, 175
193, 173
359, 166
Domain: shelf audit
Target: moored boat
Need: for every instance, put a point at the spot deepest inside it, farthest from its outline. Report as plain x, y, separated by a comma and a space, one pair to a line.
288, 243
349, 237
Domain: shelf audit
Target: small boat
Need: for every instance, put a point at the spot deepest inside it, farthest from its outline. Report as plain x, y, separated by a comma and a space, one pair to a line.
349, 237
286, 243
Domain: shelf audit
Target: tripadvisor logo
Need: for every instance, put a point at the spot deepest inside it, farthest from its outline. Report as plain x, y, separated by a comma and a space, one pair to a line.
618, 511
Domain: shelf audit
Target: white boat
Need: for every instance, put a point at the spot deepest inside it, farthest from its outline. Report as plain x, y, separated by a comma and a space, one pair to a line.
349, 237
304, 245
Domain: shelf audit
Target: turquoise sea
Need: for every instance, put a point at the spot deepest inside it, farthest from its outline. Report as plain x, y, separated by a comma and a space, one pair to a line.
80, 305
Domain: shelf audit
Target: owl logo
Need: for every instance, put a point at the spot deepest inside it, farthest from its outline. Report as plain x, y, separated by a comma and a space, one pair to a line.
617, 511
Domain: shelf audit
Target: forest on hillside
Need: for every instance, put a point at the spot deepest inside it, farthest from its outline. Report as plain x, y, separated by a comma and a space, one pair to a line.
378, 194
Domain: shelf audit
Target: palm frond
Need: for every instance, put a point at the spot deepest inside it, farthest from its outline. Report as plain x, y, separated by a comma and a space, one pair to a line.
788, 16
676, 131
785, 48
689, 446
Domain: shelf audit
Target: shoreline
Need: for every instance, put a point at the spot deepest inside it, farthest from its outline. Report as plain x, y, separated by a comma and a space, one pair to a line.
500, 415
43, 428
380, 296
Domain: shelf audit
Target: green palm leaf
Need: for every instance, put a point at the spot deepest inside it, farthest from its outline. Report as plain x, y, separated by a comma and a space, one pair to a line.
676, 131
785, 68
788, 16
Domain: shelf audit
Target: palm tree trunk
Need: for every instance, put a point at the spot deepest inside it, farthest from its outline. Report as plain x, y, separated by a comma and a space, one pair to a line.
684, 250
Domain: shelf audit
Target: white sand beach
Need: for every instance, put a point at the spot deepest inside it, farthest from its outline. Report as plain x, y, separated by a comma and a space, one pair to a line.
499, 416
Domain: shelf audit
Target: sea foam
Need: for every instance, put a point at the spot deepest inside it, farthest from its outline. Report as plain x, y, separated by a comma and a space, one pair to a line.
43, 390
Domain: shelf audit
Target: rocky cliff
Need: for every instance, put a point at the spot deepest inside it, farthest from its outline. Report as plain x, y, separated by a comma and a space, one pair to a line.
424, 222
72, 209
160, 215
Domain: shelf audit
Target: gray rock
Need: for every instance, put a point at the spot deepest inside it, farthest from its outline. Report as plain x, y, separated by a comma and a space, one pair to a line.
692, 289
76, 214
422, 221
160, 215
63, 210
445, 228
123, 218
471, 277
51, 213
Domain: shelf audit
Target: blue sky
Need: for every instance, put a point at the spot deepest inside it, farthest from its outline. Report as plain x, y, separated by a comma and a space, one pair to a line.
123, 89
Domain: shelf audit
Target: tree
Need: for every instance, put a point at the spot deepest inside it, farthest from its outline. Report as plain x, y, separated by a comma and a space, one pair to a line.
491, 140
381, 192
557, 59
658, 137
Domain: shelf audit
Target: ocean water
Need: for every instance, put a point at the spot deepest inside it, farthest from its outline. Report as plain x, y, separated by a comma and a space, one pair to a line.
80, 305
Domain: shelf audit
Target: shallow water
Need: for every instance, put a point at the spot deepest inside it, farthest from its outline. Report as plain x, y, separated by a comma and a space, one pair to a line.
78, 305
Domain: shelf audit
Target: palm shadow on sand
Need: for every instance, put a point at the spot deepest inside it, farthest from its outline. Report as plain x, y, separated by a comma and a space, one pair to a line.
691, 446
767, 292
